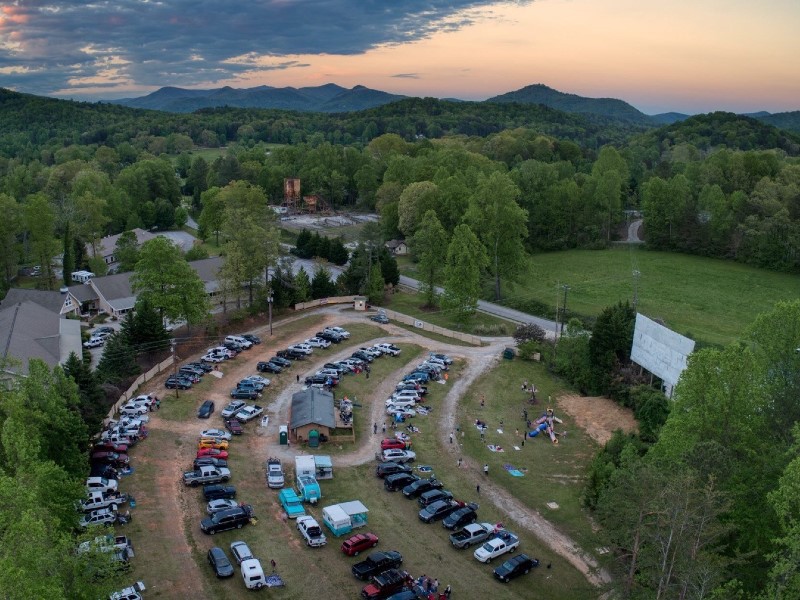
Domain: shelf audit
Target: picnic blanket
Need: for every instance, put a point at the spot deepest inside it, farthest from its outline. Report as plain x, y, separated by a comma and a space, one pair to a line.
516, 473
494, 448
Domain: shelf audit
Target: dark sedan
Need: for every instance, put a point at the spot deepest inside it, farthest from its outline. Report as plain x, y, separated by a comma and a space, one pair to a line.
217, 491
220, 563
438, 510
521, 564
268, 367
205, 410
421, 486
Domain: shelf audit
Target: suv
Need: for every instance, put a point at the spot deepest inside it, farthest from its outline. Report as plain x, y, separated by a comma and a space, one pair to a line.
224, 520
428, 498
216, 491
268, 367
463, 516
232, 408
240, 551
389, 468
281, 362
240, 394
398, 481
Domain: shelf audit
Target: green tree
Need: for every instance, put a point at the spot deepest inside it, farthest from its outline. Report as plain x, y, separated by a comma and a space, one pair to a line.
144, 329
11, 226
322, 286
68, 260
610, 344
180, 217
338, 254
126, 251
466, 259
430, 248
375, 285
197, 180
118, 361
40, 222
416, 199
165, 279
91, 395
500, 223
302, 286
389, 268
212, 216
91, 218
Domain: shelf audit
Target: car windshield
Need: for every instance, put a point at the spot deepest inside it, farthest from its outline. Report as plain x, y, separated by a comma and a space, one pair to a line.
487, 547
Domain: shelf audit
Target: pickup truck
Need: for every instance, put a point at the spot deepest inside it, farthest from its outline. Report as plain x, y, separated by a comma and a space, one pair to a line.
206, 474
248, 413
108, 543
275, 477
472, 534
291, 503
97, 499
308, 526
384, 585
497, 546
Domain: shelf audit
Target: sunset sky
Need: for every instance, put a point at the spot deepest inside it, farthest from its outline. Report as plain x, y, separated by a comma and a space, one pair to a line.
683, 55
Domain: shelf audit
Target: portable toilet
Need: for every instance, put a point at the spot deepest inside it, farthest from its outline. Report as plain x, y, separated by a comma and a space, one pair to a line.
313, 439
283, 435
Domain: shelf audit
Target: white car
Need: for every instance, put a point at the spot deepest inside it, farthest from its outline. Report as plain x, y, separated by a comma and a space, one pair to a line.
302, 347
101, 516
400, 403
133, 410
398, 456
102, 335
258, 379
248, 413
316, 342
221, 504
338, 330
219, 434
405, 412
101, 484
407, 395
93, 342
129, 593
232, 408
212, 358
374, 353
388, 349
240, 551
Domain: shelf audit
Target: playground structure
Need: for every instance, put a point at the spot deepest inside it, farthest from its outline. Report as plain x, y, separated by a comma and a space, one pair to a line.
547, 423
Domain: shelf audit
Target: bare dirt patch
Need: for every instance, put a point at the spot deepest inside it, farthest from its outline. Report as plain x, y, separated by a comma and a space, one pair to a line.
599, 417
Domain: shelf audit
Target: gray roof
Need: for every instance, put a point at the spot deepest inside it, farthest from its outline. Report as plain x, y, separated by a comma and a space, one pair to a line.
208, 270
113, 287
312, 406
107, 245
31, 331
83, 292
51, 300
392, 244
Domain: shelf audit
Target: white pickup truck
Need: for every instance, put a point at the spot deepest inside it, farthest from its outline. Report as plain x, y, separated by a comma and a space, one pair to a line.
311, 531
504, 542
98, 499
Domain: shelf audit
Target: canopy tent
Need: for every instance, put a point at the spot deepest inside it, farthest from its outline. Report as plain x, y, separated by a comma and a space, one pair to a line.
324, 467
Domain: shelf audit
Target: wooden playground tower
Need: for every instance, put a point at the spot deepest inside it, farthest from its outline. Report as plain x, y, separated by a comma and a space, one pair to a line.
295, 203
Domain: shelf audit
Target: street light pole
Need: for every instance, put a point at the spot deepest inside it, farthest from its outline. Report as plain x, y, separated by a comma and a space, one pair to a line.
269, 301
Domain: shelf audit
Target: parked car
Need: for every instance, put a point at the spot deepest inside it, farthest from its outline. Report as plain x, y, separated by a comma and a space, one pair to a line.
356, 544
338, 331
253, 339
311, 531
465, 515
401, 456
398, 481
111, 458
380, 318
101, 516
234, 426
333, 338
268, 367
101, 484
205, 367
360, 354
212, 358
240, 551
248, 413
238, 340
302, 347
232, 408
176, 382
233, 518
275, 476
291, 354
443, 357
212, 443
504, 542
521, 564
412, 490
93, 342
389, 468
403, 412
220, 504
375, 563
248, 384
317, 342
283, 362
132, 592
258, 379
215, 491
388, 348
206, 475
110, 447
205, 410
216, 433
213, 461
215, 452
389, 443
474, 533
439, 510
384, 585
428, 498
191, 370
239, 394
219, 563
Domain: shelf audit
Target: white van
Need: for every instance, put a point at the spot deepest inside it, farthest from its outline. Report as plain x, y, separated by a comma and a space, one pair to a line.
253, 574
237, 339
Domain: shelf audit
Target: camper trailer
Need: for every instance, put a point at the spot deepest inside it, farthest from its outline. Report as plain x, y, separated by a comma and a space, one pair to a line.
81, 276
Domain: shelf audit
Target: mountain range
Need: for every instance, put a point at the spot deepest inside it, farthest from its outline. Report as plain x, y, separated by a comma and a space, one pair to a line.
332, 98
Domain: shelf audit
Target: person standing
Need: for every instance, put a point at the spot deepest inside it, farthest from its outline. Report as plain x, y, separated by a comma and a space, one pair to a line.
486, 469
383, 427
447, 591
298, 378
451, 437
374, 428
478, 489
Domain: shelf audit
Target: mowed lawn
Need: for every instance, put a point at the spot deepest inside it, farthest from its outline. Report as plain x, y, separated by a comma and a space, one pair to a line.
709, 300
311, 573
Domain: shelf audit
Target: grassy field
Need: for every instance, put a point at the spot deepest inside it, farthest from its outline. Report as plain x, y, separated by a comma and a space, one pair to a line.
709, 300
410, 304
311, 573
553, 473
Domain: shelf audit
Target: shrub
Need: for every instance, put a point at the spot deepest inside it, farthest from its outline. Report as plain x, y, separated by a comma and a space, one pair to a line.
495, 329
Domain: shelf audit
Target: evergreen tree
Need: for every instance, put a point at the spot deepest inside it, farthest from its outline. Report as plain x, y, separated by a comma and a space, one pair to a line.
376, 285
354, 278
322, 286
126, 251
144, 328
68, 262
118, 361
324, 247
338, 253
92, 408
302, 286
282, 283
389, 268
303, 245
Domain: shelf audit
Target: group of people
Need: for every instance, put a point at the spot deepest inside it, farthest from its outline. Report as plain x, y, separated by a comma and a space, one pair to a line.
431, 588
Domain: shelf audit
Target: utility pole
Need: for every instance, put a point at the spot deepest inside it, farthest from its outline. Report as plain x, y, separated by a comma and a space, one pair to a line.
174, 367
564, 309
269, 302
636, 274
558, 313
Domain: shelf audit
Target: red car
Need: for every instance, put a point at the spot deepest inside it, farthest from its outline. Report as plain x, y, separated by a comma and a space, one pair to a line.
213, 452
234, 426
393, 443
362, 541
110, 447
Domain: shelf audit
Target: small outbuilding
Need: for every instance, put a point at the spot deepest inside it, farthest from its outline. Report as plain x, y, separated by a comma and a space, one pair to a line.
324, 467
397, 247
343, 518
312, 415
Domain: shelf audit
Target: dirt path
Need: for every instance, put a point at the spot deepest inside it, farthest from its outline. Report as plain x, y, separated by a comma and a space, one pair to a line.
478, 360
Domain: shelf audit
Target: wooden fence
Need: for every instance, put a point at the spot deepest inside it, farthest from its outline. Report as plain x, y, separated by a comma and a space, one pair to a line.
425, 326
131, 391
324, 301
